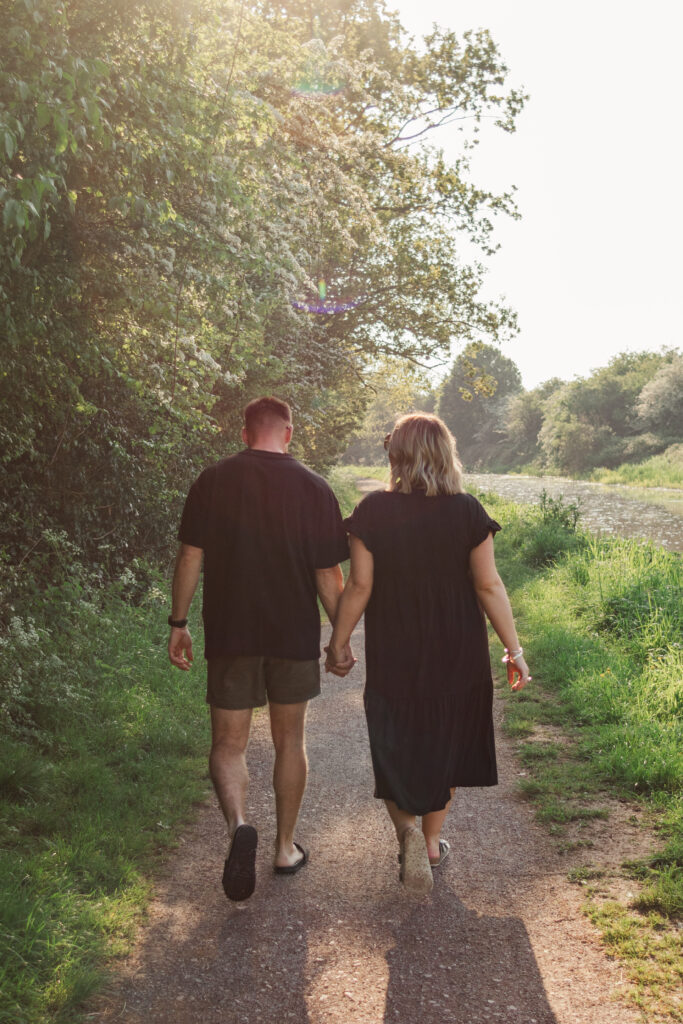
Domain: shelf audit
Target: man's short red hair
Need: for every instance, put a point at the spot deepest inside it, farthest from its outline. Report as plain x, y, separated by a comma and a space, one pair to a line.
265, 413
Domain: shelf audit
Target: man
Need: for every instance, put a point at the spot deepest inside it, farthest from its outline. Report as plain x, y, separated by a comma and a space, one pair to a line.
271, 536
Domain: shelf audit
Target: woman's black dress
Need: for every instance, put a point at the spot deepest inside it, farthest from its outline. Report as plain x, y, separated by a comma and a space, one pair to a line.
429, 692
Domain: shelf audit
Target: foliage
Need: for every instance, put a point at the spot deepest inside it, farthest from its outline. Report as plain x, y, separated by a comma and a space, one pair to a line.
524, 418
93, 725
546, 532
182, 184
624, 412
603, 634
472, 397
660, 403
665, 470
394, 387
604, 630
589, 422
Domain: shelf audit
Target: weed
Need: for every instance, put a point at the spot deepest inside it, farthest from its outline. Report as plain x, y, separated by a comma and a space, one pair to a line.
584, 874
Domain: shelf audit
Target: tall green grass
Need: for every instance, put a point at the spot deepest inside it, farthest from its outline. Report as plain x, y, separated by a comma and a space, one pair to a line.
665, 470
102, 753
602, 622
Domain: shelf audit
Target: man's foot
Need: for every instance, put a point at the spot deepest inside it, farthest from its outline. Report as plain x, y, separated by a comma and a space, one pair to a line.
239, 873
298, 862
416, 872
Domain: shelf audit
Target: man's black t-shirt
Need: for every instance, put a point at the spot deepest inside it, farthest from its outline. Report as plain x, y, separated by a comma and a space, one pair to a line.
265, 523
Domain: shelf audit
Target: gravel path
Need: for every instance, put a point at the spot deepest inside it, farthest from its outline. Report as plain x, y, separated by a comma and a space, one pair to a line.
500, 938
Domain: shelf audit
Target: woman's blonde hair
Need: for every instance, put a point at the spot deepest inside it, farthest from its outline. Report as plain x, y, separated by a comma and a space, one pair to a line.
423, 456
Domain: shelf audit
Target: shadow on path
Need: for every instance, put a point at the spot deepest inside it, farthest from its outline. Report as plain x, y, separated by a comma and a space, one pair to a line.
499, 938
481, 968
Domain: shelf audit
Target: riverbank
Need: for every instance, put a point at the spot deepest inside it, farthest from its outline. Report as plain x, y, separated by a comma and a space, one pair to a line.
665, 470
607, 511
603, 724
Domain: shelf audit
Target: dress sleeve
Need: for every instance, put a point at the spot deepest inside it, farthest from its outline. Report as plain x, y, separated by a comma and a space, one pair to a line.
481, 524
360, 524
332, 546
192, 528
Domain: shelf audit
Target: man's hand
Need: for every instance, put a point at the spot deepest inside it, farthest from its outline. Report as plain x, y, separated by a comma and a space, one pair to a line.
180, 648
339, 661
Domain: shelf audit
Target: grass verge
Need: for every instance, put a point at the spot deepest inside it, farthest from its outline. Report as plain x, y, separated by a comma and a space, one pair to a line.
665, 470
601, 622
343, 480
102, 755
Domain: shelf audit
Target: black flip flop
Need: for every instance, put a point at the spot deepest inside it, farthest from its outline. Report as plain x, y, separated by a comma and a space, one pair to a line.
291, 869
239, 873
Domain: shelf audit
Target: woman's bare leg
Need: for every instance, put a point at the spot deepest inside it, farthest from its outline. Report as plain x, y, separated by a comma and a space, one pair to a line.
401, 819
432, 824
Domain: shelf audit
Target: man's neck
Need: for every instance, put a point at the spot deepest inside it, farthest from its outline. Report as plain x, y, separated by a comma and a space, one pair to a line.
275, 447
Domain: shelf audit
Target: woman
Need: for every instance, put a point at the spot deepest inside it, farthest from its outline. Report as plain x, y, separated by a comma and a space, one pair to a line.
423, 569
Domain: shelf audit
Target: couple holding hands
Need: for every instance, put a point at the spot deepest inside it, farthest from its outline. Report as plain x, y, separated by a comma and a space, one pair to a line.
270, 536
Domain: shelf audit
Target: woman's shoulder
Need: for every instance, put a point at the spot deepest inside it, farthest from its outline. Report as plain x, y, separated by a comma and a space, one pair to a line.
370, 503
463, 500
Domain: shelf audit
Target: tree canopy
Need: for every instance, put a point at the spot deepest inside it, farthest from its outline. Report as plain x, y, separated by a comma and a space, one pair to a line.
623, 412
473, 396
207, 201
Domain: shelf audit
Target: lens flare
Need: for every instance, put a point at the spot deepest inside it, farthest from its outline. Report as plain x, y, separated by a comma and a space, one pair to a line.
319, 76
323, 303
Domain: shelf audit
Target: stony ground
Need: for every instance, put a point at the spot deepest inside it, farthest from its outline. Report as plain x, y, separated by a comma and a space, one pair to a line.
500, 938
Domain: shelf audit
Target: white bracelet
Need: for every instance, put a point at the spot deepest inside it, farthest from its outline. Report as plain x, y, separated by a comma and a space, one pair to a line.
513, 655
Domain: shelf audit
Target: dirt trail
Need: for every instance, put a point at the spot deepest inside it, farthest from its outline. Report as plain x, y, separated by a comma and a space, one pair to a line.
500, 938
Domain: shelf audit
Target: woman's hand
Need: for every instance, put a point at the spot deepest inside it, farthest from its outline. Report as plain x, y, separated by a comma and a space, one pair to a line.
340, 660
517, 671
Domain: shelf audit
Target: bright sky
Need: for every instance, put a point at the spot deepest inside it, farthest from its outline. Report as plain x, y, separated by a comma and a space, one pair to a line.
594, 267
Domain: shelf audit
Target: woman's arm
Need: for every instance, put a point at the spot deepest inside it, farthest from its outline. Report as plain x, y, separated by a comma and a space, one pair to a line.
494, 600
351, 604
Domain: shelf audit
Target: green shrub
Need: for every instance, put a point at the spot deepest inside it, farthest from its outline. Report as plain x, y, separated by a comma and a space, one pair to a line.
94, 725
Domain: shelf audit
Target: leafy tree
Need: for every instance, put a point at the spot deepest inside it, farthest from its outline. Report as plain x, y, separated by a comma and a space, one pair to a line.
523, 421
473, 397
660, 403
394, 387
592, 421
204, 202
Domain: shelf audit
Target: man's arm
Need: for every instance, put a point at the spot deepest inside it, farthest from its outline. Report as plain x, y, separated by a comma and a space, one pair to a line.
188, 565
352, 605
330, 585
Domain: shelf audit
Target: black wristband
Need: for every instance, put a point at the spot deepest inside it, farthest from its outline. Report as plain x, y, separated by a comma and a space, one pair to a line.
177, 623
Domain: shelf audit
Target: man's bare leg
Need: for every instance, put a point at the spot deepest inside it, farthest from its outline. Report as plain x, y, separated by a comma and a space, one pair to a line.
227, 762
287, 726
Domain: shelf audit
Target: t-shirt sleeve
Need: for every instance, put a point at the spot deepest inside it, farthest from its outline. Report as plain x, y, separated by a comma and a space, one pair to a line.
192, 528
359, 523
481, 524
332, 546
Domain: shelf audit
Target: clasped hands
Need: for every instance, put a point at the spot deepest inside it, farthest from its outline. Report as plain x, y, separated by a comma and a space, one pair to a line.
340, 660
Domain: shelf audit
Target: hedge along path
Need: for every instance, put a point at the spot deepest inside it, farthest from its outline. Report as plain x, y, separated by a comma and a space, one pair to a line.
500, 938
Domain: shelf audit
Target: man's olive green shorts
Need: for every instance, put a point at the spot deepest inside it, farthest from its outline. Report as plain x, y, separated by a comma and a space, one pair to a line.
245, 681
